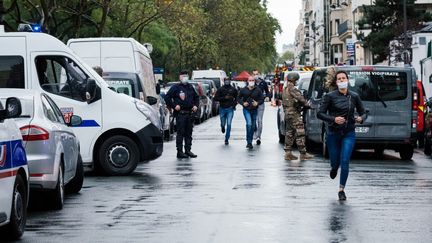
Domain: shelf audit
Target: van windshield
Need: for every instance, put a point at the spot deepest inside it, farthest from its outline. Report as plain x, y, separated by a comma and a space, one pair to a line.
123, 86
379, 85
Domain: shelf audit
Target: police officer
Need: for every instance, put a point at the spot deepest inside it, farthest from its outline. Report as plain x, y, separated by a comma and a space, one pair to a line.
293, 101
184, 100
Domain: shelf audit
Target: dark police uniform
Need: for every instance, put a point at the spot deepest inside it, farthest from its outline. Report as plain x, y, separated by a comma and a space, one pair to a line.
186, 97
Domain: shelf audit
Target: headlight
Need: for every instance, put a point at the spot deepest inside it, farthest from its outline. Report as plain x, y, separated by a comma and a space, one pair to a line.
149, 113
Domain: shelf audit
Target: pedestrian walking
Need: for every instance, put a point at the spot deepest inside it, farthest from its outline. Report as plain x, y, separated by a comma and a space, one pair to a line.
184, 100
260, 83
337, 110
293, 103
226, 95
250, 97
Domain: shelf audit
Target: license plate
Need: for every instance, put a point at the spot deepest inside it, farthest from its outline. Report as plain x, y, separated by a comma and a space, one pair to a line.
362, 129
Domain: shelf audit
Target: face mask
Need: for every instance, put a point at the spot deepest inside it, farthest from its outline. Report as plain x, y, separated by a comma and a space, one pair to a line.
184, 79
342, 85
251, 83
227, 82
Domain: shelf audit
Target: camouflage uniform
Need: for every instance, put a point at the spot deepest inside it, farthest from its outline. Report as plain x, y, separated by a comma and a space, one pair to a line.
292, 102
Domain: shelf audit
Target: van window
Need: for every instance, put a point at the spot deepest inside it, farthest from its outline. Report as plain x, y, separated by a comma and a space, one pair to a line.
11, 72
124, 86
61, 76
379, 85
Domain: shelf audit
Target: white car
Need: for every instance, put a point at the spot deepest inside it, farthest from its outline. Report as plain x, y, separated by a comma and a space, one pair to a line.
14, 176
54, 160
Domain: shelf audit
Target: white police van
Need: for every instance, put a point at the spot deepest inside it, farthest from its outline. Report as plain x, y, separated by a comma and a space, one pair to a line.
117, 131
14, 177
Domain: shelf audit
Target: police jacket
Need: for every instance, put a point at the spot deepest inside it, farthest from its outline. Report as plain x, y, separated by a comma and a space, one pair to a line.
337, 104
183, 95
227, 96
264, 87
250, 95
292, 99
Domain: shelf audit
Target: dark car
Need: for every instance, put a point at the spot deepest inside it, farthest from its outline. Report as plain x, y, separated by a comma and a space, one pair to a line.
213, 89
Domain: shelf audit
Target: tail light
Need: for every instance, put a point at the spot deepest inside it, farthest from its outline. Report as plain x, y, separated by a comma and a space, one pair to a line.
34, 133
415, 99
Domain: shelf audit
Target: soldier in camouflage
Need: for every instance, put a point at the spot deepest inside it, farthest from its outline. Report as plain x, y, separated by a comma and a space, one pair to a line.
293, 102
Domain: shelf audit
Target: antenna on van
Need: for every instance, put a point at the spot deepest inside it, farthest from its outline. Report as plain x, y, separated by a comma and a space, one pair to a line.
149, 47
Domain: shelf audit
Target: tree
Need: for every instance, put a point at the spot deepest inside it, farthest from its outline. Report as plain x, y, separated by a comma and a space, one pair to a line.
385, 19
286, 56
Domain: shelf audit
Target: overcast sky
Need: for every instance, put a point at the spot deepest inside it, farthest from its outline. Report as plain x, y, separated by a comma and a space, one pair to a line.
288, 14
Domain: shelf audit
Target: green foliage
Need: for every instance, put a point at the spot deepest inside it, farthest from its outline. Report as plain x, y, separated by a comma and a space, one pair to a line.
286, 56
234, 35
385, 19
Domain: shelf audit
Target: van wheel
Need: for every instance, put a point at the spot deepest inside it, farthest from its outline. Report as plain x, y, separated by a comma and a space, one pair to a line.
118, 155
75, 185
406, 152
325, 152
18, 216
58, 193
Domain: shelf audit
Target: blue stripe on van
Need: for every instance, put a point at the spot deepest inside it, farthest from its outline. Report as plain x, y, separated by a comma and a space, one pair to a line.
14, 152
89, 123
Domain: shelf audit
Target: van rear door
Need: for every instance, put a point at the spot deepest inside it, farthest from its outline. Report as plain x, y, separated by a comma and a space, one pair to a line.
13, 62
386, 95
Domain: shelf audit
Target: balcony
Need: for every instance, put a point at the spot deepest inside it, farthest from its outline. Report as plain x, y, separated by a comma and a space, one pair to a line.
345, 30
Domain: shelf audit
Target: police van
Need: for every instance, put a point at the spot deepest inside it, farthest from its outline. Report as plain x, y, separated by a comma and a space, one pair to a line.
117, 131
14, 176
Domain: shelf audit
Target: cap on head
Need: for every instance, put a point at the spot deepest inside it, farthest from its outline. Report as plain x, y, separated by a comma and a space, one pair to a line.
293, 76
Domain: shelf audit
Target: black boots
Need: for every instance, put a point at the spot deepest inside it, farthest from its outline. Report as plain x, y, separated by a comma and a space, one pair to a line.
185, 155
190, 154
181, 155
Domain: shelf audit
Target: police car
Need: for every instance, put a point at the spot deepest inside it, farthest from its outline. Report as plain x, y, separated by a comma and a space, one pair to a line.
14, 177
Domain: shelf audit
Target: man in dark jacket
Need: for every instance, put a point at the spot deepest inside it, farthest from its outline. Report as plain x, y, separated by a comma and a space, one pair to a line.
184, 100
226, 95
250, 97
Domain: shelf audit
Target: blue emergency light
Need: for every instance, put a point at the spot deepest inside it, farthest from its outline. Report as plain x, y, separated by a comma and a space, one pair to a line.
29, 28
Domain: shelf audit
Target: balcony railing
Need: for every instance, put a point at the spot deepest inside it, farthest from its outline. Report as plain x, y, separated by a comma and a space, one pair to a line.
344, 27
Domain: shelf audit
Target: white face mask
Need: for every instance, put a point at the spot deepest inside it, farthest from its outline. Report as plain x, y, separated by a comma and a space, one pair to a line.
342, 85
251, 83
227, 82
184, 79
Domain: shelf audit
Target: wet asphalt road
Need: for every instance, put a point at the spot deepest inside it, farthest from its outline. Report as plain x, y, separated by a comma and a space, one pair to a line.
230, 194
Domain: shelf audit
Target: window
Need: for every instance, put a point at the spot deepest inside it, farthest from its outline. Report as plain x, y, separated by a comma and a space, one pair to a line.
11, 72
422, 40
61, 76
55, 108
379, 86
48, 110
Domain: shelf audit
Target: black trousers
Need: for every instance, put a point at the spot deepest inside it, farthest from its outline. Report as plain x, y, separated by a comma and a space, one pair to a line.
184, 125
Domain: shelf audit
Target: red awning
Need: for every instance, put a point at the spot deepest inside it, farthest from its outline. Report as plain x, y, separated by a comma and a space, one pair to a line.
243, 76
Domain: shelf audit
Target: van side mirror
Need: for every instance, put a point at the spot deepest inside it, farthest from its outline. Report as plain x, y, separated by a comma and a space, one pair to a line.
13, 107
75, 121
90, 90
151, 100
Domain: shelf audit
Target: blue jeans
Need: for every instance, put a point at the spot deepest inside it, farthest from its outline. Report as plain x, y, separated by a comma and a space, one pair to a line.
226, 115
250, 117
340, 146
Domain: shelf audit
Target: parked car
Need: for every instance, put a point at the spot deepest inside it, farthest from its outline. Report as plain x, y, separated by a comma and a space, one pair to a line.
54, 160
213, 89
14, 175
204, 105
390, 98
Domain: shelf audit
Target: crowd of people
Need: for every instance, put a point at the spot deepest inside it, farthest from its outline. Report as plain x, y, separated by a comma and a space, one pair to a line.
337, 110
